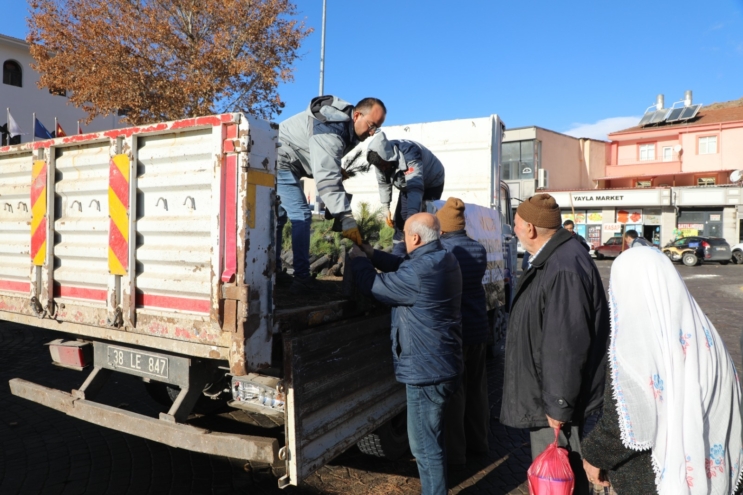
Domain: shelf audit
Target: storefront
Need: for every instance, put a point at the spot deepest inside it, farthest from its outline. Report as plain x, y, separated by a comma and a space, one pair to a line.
602, 214
659, 215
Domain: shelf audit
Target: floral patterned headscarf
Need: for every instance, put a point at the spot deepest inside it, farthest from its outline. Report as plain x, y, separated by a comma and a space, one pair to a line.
675, 385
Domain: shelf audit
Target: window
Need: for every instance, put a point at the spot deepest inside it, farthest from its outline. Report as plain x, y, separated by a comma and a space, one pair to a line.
518, 160
12, 74
706, 181
708, 145
667, 154
647, 152
643, 183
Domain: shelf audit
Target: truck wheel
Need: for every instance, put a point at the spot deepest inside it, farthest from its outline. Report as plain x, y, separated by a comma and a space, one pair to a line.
389, 440
690, 259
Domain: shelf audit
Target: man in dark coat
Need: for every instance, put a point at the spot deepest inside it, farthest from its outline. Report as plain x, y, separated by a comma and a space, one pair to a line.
468, 414
569, 225
555, 365
425, 292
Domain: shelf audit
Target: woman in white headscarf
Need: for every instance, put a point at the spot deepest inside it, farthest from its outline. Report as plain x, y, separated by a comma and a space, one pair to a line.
672, 418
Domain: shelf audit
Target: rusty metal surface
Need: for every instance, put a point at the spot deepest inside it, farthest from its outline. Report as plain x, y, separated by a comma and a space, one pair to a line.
258, 449
340, 387
169, 345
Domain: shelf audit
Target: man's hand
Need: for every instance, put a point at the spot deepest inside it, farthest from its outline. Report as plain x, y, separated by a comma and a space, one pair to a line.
368, 250
594, 474
350, 229
356, 252
387, 216
554, 423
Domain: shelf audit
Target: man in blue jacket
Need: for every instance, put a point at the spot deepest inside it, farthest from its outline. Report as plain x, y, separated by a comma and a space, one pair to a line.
425, 292
312, 144
412, 169
468, 414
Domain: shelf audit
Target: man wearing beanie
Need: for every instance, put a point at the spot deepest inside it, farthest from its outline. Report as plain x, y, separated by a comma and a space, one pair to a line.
411, 168
467, 414
557, 336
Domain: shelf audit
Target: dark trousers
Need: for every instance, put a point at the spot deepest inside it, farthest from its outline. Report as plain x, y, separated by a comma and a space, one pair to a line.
468, 414
401, 215
426, 405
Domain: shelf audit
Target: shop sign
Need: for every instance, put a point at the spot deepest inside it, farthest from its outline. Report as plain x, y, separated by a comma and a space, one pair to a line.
714, 218
695, 226
612, 227
629, 216
617, 197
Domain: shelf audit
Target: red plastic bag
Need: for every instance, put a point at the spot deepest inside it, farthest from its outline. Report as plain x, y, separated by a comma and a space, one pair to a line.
550, 473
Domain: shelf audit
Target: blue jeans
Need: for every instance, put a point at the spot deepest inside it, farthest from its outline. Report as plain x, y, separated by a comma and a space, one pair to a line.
426, 406
294, 207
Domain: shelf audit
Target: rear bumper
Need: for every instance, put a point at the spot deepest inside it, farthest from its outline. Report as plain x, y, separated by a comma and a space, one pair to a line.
258, 449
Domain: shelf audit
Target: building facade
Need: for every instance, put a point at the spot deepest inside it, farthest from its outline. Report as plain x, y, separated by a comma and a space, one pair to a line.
666, 179
20, 95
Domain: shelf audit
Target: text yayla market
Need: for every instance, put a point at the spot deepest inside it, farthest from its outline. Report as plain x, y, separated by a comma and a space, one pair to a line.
597, 198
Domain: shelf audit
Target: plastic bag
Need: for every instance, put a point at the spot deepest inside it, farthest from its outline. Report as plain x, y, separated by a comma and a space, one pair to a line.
550, 473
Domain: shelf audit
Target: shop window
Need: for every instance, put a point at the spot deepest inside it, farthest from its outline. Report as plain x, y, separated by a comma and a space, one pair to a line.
708, 145
643, 183
667, 154
647, 152
12, 74
706, 181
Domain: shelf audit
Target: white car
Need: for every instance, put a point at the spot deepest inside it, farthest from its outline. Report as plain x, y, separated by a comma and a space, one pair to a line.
737, 253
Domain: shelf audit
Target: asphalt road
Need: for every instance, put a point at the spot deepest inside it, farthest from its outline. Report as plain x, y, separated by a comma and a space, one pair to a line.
43, 451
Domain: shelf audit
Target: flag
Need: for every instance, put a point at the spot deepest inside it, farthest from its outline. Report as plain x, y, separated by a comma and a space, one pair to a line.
59, 132
13, 128
40, 131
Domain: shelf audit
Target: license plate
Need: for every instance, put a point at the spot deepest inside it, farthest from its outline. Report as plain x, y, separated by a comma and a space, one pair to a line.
138, 362
720, 248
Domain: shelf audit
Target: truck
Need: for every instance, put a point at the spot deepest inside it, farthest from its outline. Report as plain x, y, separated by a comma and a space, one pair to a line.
151, 251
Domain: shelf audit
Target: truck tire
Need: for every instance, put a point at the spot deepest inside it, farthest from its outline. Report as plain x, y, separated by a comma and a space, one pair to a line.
690, 259
389, 441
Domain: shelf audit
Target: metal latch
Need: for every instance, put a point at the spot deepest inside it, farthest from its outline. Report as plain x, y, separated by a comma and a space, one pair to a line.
235, 292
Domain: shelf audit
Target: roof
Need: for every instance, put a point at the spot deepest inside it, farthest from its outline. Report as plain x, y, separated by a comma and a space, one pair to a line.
16, 41
728, 111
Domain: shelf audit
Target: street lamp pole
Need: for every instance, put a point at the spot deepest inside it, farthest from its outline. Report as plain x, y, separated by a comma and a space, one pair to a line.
322, 50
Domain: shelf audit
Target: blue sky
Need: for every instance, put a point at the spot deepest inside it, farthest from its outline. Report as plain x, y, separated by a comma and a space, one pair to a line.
586, 67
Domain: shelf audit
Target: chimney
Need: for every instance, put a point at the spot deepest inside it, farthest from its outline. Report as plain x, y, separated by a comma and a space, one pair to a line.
687, 98
659, 102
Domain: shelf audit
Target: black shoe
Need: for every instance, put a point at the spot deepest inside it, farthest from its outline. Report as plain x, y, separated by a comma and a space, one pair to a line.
305, 286
283, 279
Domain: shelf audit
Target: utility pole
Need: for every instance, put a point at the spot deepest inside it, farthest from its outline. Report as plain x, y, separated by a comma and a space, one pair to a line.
322, 50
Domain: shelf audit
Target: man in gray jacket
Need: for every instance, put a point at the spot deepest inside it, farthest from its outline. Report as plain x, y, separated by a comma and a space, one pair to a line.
413, 170
312, 144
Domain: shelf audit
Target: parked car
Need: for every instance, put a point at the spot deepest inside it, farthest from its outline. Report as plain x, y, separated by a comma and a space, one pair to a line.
738, 253
611, 249
693, 250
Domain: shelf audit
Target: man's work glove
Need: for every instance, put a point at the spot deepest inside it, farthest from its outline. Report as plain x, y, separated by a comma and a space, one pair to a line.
350, 229
387, 215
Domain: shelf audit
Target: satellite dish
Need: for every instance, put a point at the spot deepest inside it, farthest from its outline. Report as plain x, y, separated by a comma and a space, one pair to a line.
677, 148
736, 176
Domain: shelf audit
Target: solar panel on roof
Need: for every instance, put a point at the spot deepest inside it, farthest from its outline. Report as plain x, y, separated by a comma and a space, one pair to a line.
674, 115
646, 118
659, 116
689, 112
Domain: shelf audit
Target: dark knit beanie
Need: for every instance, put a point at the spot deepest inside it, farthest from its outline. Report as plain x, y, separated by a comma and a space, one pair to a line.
541, 210
451, 215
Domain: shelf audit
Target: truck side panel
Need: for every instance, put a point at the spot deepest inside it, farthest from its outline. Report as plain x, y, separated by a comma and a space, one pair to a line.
340, 387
